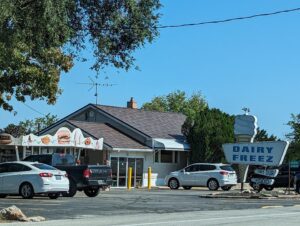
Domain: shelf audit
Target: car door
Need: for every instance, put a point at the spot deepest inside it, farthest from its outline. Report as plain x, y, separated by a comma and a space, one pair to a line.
203, 174
282, 179
13, 177
187, 176
3, 169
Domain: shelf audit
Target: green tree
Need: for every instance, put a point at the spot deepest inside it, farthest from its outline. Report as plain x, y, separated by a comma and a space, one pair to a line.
177, 102
37, 124
15, 130
262, 135
30, 126
40, 39
206, 133
293, 152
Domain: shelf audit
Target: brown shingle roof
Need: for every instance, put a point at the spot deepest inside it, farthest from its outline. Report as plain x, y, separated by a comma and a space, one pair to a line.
152, 123
111, 136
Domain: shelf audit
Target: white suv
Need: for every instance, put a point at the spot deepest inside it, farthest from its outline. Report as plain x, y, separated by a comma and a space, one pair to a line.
212, 175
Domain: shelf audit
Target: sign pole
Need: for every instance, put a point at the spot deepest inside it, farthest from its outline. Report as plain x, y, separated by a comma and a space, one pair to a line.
243, 168
289, 177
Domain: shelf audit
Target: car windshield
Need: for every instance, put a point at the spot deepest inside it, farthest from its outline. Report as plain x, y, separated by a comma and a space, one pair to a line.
43, 166
227, 168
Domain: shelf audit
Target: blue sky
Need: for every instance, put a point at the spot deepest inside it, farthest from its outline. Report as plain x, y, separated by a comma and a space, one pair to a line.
252, 63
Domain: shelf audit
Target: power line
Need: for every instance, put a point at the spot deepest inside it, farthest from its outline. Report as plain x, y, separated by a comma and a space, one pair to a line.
34, 109
228, 20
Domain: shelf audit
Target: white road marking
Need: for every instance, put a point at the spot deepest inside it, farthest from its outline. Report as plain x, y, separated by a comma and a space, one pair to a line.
217, 219
267, 207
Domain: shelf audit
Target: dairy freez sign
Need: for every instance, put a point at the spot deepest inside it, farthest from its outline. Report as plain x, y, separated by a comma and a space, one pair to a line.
260, 153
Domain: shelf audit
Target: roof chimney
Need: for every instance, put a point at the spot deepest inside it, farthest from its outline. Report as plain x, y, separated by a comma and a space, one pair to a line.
132, 104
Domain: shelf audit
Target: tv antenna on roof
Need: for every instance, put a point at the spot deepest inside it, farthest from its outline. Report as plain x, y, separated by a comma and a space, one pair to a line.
96, 84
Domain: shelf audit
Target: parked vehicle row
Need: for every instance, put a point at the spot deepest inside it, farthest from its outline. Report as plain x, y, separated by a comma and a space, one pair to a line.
208, 175
52, 175
87, 178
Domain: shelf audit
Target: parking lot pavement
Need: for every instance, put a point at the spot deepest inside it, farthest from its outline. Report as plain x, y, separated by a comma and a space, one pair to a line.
118, 202
245, 217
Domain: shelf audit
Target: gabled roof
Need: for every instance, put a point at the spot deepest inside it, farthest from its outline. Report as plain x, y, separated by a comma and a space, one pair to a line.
112, 137
152, 123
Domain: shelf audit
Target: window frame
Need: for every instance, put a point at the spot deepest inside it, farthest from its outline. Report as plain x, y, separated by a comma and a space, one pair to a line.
175, 157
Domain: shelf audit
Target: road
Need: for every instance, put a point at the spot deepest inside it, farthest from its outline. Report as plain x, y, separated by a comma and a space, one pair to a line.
141, 207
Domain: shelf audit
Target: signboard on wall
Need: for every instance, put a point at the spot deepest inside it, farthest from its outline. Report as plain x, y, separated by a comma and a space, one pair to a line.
260, 153
63, 138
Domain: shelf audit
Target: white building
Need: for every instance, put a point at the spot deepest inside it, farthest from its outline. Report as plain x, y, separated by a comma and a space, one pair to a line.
132, 138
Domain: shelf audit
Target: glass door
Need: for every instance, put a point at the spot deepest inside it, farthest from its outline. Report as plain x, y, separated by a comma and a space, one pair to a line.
139, 169
120, 167
122, 172
131, 163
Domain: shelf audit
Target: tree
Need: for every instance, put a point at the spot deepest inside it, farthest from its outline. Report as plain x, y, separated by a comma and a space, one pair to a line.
40, 39
30, 126
293, 152
206, 133
15, 130
294, 123
262, 135
177, 102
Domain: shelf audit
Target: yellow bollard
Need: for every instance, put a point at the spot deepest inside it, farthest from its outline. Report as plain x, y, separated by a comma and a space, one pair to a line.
129, 178
149, 178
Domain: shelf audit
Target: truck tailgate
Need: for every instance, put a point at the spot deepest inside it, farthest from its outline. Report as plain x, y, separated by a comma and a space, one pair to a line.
101, 174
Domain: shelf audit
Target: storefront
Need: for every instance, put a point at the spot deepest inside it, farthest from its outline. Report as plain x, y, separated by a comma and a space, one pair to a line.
131, 138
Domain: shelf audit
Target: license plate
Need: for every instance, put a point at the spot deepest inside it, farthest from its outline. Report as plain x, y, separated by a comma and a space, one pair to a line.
57, 177
100, 181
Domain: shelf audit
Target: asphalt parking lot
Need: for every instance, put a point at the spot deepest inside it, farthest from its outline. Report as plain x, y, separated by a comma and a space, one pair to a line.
136, 201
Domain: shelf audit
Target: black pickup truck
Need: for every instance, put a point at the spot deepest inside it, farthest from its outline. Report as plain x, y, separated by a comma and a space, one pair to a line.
87, 178
284, 179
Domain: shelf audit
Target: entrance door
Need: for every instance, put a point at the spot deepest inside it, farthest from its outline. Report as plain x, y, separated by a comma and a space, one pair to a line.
120, 166
123, 172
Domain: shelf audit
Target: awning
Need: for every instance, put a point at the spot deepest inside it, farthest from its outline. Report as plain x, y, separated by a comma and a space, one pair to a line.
170, 144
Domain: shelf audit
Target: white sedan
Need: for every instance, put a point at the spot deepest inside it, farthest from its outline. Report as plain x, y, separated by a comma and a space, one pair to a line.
30, 178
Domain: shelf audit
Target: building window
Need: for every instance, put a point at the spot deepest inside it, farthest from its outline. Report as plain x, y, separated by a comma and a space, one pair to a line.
166, 156
162, 156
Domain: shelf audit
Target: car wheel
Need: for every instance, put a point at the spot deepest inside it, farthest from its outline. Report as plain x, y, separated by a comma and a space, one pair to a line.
53, 195
268, 188
213, 184
226, 188
2, 196
91, 191
26, 191
187, 187
173, 183
72, 189
256, 187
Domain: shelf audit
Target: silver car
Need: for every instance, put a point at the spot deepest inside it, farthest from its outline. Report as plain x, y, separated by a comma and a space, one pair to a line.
30, 178
211, 175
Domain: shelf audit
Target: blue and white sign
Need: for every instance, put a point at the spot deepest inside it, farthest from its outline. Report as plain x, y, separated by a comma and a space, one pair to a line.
266, 181
267, 172
260, 153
